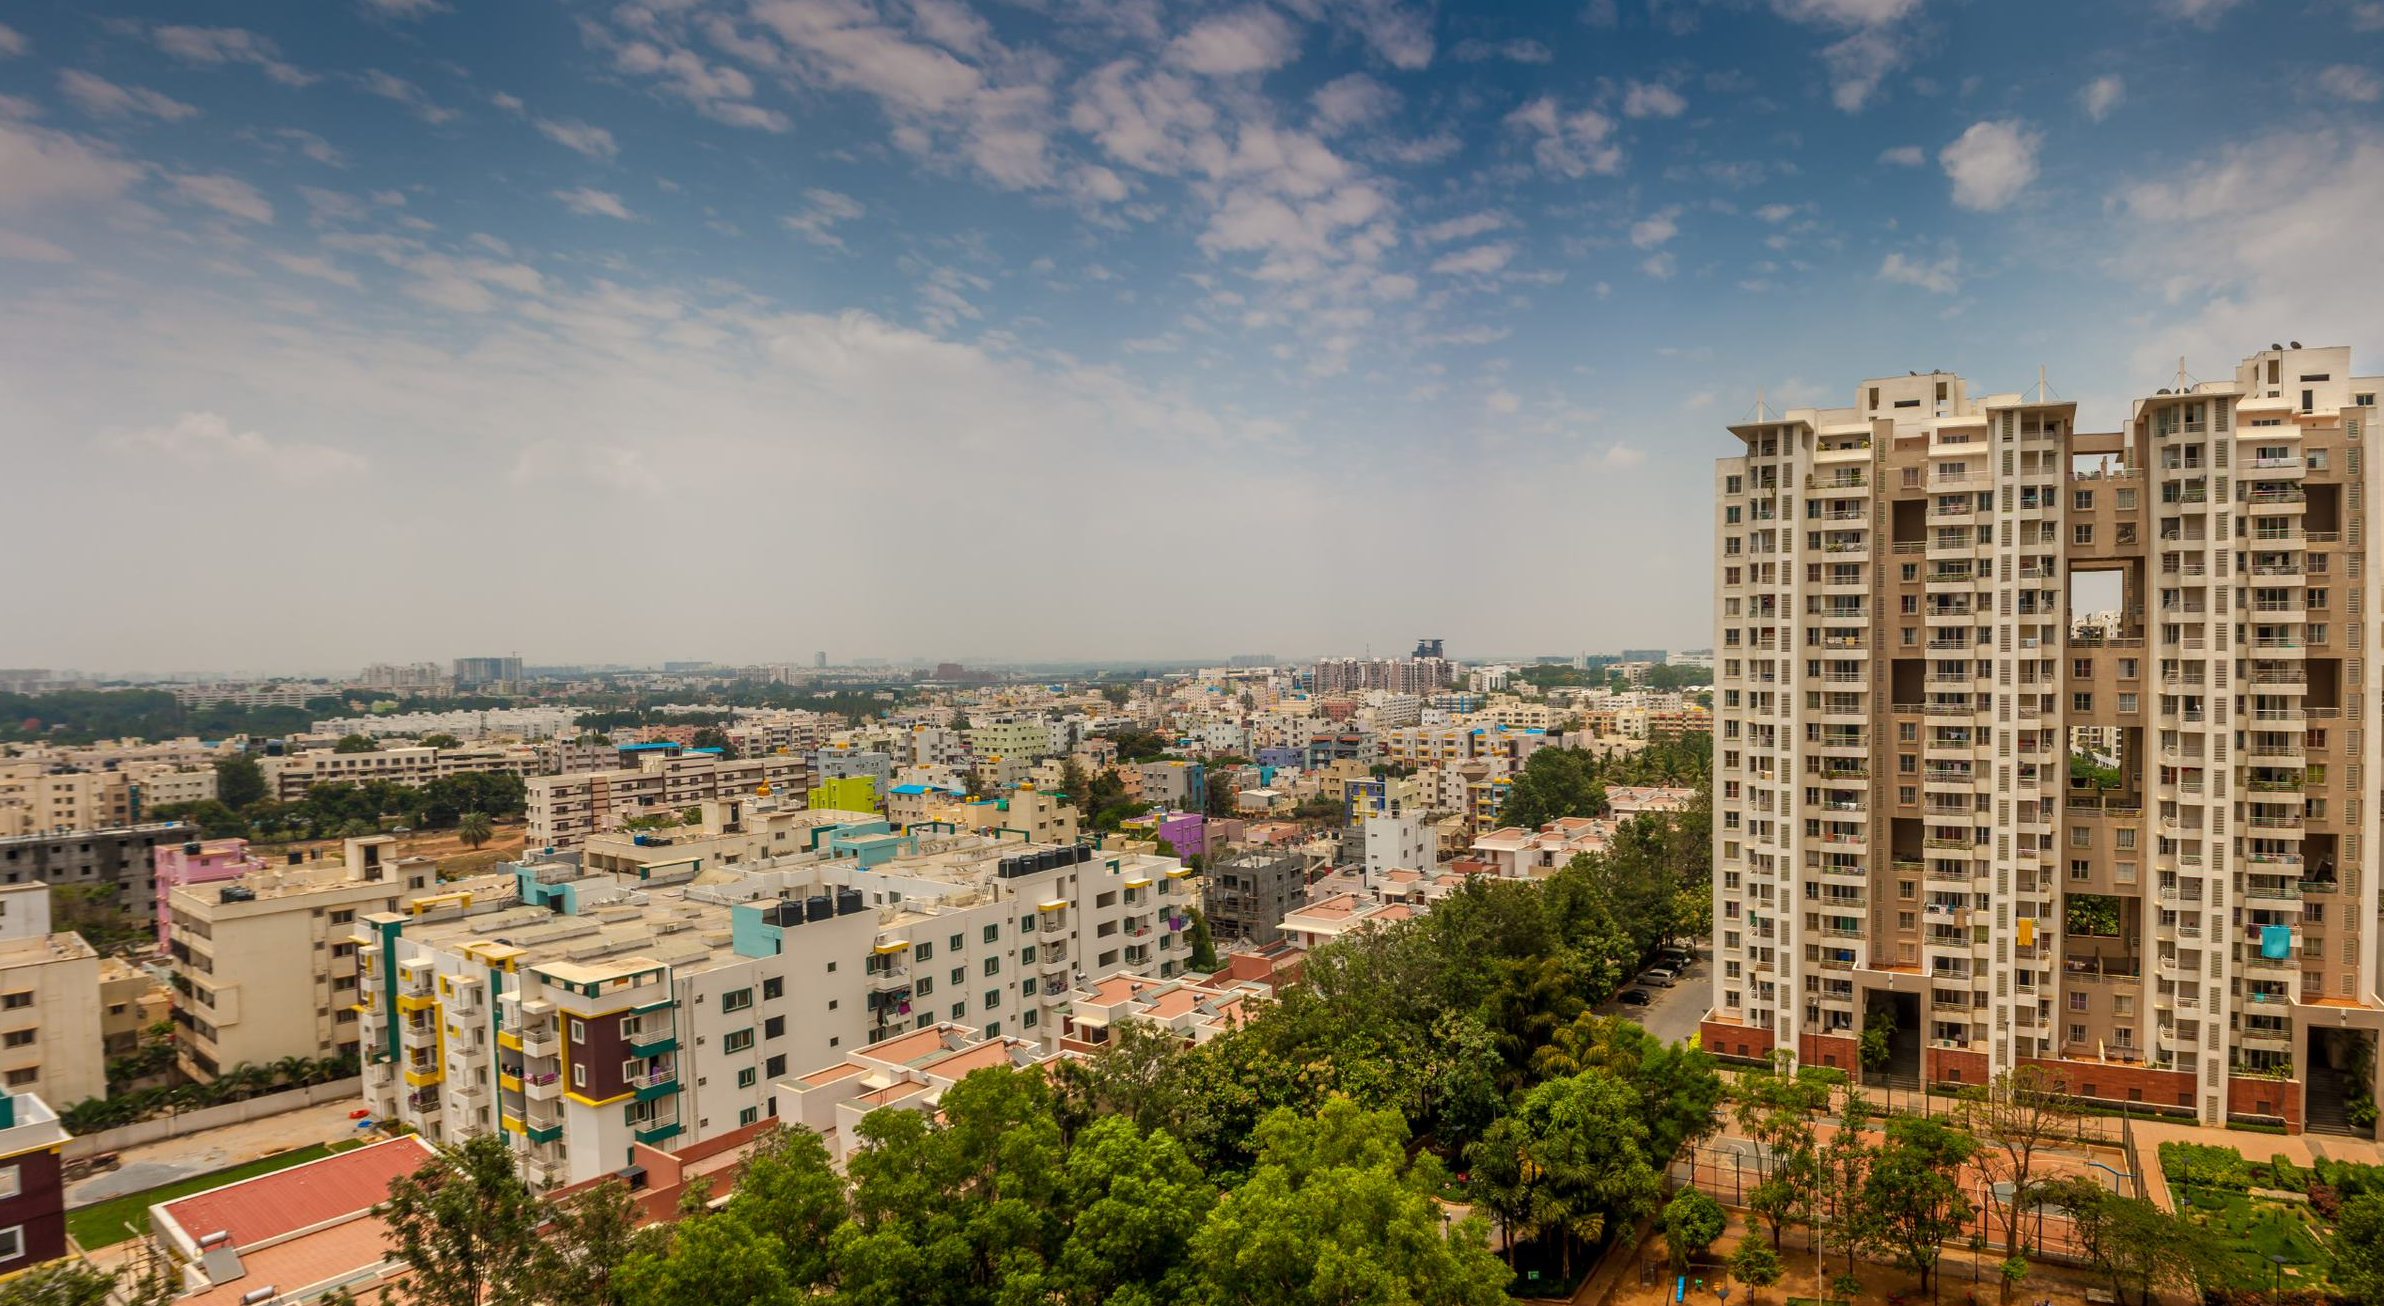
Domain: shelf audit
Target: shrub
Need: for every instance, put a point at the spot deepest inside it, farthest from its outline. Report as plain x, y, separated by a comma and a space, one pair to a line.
2201, 1165
2283, 1174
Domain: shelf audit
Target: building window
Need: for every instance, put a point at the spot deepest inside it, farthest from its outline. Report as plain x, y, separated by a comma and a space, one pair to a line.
773, 988
12, 1242
579, 1031
993, 999
736, 999
776, 1066
923, 952
579, 1076
15, 1001
955, 943
749, 1115
993, 965
737, 1040
11, 1183
993, 933
746, 1077
775, 1026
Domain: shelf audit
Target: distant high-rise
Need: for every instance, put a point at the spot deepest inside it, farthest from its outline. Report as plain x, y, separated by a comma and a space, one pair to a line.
483, 671
2042, 747
1427, 648
820, 661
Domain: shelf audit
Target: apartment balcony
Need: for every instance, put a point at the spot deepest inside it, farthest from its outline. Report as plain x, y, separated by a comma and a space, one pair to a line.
2267, 893
2264, 1039
884, 979
542, 1043
661, 1083
542, 1086
2270, 819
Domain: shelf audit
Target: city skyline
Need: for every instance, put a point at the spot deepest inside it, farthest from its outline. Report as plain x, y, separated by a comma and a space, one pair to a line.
519, 323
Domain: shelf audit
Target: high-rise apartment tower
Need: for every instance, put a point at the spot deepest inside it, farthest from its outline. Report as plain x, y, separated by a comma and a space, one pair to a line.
2042, 746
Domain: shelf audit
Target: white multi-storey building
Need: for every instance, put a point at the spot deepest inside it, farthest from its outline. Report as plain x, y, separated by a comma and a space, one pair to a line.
583, 1010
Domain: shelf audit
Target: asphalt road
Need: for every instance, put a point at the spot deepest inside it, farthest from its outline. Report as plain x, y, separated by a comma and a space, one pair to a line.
1674, 1014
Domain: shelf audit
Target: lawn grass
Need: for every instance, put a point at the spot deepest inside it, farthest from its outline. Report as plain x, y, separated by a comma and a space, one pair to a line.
102, 1224
2250, 1231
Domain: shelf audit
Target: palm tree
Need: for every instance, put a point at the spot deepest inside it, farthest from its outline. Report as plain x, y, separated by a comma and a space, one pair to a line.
358, 829
475, 829
292, 1070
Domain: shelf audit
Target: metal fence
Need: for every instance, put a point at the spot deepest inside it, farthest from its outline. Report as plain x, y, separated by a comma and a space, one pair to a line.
1729, 1171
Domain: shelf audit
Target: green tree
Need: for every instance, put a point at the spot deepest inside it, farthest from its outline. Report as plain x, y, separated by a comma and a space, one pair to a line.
73, 1282
239, 781
1756, 1265
439, 739
714, 737
1845, 1167
1556, 782
789, 1186
1573, 1156
711, 1258
466, 1226
1912, 1198
1334, 1213
2357, 1249
355, 744
1137, 1201
1692, 1222
2017, 1115
588, 1240
474, 829
2137, 1247
1201, 942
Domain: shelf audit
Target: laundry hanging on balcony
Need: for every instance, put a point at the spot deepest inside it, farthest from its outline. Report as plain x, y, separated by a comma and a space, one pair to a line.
2276, 941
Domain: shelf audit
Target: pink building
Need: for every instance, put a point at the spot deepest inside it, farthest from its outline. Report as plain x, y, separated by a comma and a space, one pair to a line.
200, 861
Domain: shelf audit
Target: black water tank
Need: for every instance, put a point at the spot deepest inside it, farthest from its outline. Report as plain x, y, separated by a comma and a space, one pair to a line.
782, 913
848, 901
1084, 852
817, 907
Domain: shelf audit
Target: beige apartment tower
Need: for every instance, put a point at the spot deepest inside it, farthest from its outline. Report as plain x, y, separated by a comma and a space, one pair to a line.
2043, 746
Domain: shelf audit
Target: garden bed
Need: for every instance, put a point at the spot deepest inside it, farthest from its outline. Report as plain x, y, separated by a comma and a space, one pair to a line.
2270, 1220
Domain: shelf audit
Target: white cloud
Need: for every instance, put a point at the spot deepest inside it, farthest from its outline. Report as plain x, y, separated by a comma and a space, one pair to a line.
1518, 50
1574, 144
225, 194
32, 249
229, 45
48, 169
2263, 239
1861, 62
1252, 40
824, 210
391, 87
2344, 81
1942, 275
1991, 163
1660, 265
404, 8
102, 98
1652, 100
509, 103
1621, 456
1904, 156
2201, 13
1655, 229
318, 267
593, 141
1480, 259
207, 440
1701, 399
1845, 13
717, 91
314, 147
2102, 95
1472, 224
1352, 101
1502, 402
589, 202
1398, 31
12, 41
1776, 213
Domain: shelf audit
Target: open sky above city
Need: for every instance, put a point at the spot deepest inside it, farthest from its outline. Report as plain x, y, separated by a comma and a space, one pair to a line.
1091, 328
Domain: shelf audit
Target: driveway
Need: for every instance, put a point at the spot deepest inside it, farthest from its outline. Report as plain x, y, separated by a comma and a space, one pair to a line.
1674, 1014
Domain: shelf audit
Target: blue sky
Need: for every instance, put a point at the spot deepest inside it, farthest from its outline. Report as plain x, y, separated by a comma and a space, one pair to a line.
743, 328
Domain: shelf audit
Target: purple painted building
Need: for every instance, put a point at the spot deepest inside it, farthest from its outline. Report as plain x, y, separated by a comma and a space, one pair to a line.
1186, 832
199, 861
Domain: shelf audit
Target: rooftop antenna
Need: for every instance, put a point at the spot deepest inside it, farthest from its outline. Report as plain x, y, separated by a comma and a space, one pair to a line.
2181, 377
1763, 411
2044, 392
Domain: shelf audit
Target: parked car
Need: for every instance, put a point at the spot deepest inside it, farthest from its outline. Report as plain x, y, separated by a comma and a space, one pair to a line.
1660, 976
1636, 997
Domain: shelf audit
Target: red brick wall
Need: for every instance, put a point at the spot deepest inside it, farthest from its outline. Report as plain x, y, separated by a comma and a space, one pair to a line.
1830, 1050
2168, 1088
1953, 1066
2266, 1097
1724, 1039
